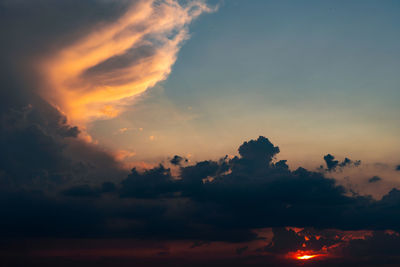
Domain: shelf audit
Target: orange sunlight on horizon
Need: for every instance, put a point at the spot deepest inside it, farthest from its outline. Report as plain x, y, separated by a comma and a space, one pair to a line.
304, 255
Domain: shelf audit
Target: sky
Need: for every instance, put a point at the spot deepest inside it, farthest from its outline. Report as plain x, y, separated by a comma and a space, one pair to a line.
315, 77
192, 132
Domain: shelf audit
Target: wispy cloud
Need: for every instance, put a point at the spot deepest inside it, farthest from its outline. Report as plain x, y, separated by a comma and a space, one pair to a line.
97, 75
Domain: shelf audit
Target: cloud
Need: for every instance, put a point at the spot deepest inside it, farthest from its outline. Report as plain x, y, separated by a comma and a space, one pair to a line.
214, 200
177, 160
241, 250
40, 150
123, 154
227, 199
86, 190
258, 150
335, 165
253, 191
152, 183
285, 240
95, 76
374, 179
134, 41
374, 248
335, 247
80, 191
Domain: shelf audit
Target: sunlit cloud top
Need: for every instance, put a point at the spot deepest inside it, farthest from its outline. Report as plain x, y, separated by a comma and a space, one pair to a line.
97, 75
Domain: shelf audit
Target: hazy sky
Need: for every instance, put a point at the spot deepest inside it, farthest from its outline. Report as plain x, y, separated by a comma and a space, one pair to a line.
314, 76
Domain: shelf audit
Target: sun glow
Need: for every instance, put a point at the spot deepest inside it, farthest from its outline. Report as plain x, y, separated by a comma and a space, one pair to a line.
306, 257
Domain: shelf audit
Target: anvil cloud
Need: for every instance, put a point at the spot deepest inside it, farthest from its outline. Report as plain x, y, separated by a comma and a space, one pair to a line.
96, 75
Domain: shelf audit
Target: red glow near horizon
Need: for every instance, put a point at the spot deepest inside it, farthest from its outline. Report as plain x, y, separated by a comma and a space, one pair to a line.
304, 255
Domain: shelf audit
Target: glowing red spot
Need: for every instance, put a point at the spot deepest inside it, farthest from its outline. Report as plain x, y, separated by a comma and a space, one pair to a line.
304, 255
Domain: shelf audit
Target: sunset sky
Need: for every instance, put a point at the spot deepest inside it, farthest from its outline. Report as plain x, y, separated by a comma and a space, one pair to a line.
315, 77
226, 132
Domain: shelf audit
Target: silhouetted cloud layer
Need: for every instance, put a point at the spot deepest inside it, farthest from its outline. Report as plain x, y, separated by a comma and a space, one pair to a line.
210, 200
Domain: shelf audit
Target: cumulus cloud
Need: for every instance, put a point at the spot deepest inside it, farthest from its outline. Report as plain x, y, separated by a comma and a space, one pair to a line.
227, 199
214, 200
334, 165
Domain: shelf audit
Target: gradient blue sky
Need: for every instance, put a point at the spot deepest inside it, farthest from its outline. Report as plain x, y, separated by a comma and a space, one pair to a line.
315, 77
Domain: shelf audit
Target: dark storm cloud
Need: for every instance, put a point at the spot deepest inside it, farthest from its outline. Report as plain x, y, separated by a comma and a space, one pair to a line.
39, 147
375, 248
32, 214
33, 30
285, 240
218, 200
223, 200
153, 183
30, 141
253, 191
108, 187
32, 27
50, 177
80, 191
380, 245
241, 250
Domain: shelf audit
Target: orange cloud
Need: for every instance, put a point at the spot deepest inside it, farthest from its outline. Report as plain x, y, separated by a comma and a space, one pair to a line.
123, 154
98, 75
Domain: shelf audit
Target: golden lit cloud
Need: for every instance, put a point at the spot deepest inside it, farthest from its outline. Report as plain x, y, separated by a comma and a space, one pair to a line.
123, 154
98, 75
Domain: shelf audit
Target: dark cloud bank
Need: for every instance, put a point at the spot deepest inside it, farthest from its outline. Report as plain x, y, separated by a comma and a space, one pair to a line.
223, 200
